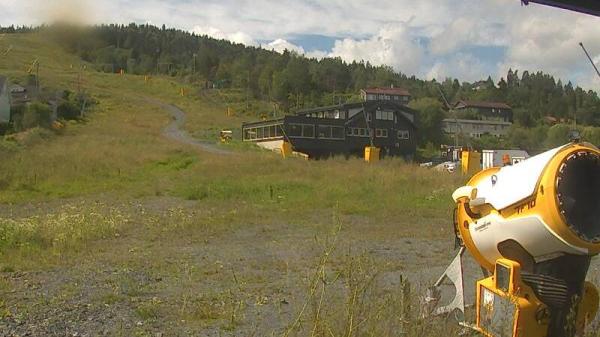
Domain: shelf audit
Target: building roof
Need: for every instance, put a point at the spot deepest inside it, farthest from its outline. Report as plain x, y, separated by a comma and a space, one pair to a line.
481, 104
387, 91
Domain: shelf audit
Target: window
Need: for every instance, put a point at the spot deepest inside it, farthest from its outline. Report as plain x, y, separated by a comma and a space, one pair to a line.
337, 132
301, 130
381, 133
308, 131
249, 134
384, 115
360, 132
331, 132
404, 134
262, 132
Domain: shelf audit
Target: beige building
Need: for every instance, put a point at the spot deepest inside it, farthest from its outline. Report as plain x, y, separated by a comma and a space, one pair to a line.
476, 128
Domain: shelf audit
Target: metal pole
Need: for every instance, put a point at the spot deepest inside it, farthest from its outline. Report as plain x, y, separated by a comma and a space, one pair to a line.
37, 77
455, 117
194, 68
589, 58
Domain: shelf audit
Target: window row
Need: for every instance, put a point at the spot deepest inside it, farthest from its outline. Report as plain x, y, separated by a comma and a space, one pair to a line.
331, 132
263, 132
384, 115
388, 97
301, 130
323, 131
359, 132
296, 130
333, 114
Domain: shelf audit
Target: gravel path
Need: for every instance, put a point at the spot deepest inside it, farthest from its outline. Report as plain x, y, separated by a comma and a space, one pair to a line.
175, 132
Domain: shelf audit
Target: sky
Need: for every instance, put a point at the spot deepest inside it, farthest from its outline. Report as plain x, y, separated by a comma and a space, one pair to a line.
465, 39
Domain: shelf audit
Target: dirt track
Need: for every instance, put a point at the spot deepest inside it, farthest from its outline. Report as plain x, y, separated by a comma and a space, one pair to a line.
175, 132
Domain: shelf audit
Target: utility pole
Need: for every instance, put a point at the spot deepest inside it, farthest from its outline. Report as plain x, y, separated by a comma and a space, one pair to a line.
194, 65
157, 61
248, 91
37, 77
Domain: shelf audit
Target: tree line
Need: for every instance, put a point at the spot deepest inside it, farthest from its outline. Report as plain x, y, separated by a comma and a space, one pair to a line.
294, 81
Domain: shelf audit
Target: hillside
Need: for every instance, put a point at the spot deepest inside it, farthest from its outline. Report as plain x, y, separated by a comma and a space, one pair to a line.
119, 225
295, 82
253, 82
109, 226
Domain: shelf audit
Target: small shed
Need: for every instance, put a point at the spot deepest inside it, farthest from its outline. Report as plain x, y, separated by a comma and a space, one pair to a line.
500, 158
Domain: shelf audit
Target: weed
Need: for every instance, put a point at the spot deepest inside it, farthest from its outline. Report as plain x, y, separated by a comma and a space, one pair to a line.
149, 310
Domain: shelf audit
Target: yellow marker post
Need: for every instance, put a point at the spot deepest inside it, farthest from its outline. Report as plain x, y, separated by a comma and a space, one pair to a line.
286, 149
470, 162
372, 154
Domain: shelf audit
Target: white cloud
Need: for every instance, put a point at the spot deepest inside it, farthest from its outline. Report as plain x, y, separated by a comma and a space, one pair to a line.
554, 48
467, 31
393, 46
237, 37
280, 45
465, 66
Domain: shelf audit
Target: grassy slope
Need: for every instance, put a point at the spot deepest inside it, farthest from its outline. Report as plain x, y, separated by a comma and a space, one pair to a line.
121, 149
113, 193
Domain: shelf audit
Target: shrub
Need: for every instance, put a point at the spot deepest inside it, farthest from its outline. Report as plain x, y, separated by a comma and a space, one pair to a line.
37, 115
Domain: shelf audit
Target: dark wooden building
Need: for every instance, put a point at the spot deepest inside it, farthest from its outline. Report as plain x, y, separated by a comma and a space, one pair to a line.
341, 130
397, 95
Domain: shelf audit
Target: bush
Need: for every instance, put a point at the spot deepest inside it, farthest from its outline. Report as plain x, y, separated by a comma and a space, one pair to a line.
70, 106
558, 135
36, 115
591, 134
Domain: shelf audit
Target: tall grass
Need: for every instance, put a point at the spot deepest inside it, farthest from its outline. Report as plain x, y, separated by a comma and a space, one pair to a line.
356, 298
69, 228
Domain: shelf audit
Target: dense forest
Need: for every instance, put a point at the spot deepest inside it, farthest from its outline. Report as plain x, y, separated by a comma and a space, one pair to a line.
295, 81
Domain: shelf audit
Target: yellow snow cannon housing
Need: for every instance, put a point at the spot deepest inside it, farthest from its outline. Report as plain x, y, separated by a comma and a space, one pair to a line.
538, 222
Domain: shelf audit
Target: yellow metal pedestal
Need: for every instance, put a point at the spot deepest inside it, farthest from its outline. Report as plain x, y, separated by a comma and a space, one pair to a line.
372, 154
286, 150
470, 162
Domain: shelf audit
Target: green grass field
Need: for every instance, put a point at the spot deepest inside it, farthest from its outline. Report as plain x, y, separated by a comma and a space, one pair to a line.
109, 228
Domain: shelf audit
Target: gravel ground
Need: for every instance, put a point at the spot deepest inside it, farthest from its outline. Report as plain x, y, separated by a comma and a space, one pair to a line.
238, 281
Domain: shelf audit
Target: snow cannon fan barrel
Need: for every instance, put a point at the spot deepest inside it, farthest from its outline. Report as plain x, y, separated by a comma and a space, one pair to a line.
534, 228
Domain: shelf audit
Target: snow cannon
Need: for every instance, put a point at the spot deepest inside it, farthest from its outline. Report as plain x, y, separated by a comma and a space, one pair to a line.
534, 227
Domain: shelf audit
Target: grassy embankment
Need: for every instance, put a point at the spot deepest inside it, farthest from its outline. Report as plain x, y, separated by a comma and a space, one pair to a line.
111, 191
120, 150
